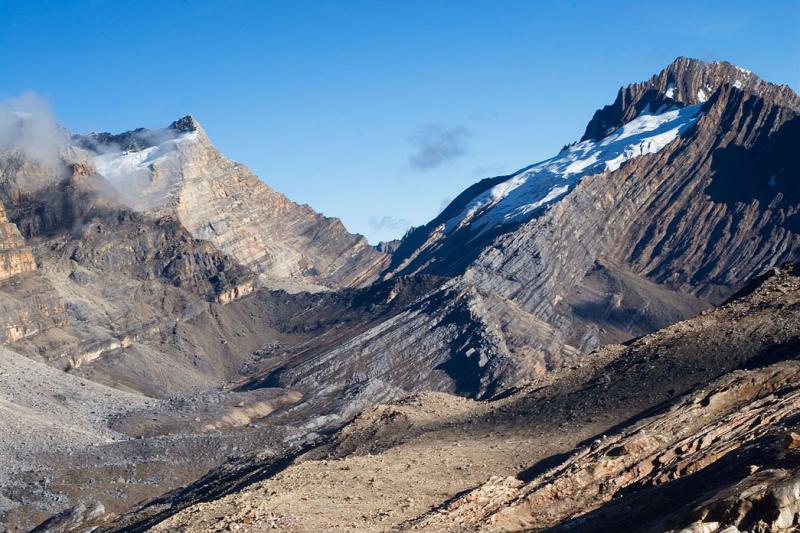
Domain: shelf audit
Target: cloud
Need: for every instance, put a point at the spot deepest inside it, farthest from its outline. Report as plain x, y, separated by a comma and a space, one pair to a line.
720, 27
389, 223
28, 125
435, 145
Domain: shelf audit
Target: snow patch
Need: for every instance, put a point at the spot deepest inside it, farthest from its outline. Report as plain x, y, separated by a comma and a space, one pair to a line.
670, 93
131, 172
520, 196
118, 165
702, 96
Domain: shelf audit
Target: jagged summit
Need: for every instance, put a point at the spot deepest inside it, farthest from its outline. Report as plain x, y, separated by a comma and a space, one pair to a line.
138, 139
683, 82
185, 124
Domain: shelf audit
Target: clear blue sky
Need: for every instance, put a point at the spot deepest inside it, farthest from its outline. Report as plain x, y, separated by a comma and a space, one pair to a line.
375, 112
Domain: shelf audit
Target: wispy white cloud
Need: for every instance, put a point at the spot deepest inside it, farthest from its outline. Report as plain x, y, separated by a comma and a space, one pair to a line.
389, 223
28, 125
435, 145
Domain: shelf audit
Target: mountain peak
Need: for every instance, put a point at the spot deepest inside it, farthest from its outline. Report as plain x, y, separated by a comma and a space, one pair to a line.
185, 124
685, 81
692, 81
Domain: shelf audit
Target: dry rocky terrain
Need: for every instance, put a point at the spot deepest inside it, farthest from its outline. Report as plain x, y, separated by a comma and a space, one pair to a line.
694, 426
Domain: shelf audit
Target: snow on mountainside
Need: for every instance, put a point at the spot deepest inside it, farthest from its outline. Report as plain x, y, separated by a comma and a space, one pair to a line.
130, 171
118, 163
520, 196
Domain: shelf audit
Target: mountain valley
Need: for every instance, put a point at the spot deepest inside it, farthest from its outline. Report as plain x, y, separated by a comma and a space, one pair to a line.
606, 337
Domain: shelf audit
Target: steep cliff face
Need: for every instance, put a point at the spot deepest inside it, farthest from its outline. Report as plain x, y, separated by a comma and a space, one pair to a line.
29, 303
15, 256
178, 171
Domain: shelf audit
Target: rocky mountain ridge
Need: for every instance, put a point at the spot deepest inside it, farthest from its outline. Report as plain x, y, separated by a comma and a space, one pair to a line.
685, 81
625, 250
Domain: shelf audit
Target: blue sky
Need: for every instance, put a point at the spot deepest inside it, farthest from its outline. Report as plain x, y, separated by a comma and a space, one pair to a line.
375, 112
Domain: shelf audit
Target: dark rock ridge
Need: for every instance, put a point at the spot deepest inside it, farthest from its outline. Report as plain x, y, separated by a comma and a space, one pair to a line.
684, 82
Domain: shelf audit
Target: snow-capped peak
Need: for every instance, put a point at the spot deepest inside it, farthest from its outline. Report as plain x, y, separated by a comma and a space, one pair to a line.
520, 196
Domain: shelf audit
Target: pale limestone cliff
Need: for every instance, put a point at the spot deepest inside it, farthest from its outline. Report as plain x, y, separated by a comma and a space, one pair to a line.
178, 170
15, 256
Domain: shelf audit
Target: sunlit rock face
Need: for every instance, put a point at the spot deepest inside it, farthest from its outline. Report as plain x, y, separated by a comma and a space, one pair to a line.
28, 303
177, 170
15, 255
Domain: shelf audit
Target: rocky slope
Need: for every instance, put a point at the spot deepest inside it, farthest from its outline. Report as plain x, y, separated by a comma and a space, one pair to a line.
692, 427
48, 410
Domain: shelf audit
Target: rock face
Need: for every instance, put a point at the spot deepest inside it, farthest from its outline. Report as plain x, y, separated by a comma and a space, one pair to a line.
15, 256
717, 459
30, 306
178, 171
29, 303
